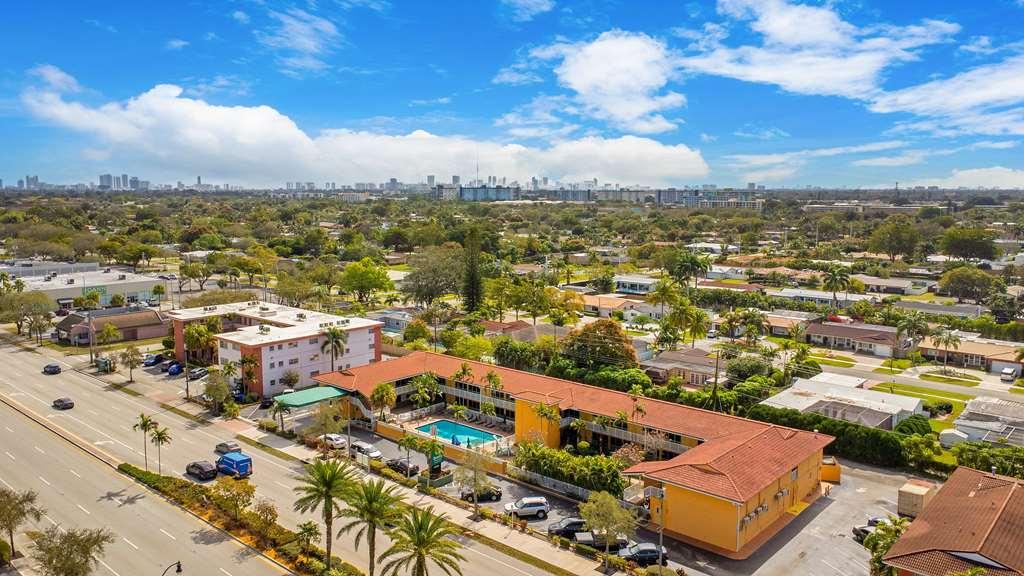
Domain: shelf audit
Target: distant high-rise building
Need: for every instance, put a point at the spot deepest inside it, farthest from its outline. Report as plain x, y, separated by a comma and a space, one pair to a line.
430, 180
543, 181
21, 184
124, 181
310, 186
1, 183
199, 180
751, 186
106, 181
133, 183
117, 182
455, 180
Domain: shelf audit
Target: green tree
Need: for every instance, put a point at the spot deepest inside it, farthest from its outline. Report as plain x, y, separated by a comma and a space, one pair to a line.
836, 279
265, 515
967, 282
897, 236
278, 410
334, 343
132, 358
372, 505
416, 330
969, 243
881, 540
600, 343
17, 508
472, 475
197, 337
144, 424
323, 486
158, 292
117, 300
604, 515
914, 326
499, 292
160, 437
289, 378
664, 293
108, 334
473, 347
233, 495
383, 396
307, 534
216, 387
364, 278
70, 552
434, 272
920, 450
472, 280
419, 539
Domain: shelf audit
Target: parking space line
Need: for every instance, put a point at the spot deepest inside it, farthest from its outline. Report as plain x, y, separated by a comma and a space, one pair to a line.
83, 509
129, 542
45, 481
168, 534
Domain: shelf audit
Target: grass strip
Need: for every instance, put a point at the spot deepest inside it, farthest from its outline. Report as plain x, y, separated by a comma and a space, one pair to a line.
890, 371
124, 388
948, 380
832, 362
268, 449
930, 393
1016, 390
182, 413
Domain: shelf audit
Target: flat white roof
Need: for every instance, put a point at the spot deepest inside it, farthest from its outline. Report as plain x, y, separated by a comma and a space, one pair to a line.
86, 279
839, 379
805, 393
636, 278
821, 294
288, 322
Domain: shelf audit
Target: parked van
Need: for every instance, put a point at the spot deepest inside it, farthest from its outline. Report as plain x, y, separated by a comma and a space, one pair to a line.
235, 464
1008, 375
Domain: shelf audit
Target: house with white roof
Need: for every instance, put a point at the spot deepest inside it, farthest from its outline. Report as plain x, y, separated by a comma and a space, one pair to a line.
865, 407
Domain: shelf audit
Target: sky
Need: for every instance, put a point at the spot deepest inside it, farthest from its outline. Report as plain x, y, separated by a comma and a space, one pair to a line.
856, 93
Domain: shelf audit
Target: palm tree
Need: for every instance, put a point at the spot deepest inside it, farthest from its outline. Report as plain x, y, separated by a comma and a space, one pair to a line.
323, 486
144, 424
881, 540
698, 323
17, 507
754, 323
465, 375
160, 436
729, 322
422, 537
249, 365
335, 340
493, 380
196, 337
278, 410
372, 505
913, 325
836, 279
383, 396
947, 339
665, 291
229, 370
409, 443
308, 533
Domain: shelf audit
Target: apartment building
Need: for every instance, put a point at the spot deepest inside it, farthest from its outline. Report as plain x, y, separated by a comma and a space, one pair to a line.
283, 339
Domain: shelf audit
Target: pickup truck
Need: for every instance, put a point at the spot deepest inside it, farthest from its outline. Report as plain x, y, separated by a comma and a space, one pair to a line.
235, 464
597, 541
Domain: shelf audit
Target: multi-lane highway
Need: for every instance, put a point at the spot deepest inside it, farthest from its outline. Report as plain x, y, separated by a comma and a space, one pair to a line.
104, 417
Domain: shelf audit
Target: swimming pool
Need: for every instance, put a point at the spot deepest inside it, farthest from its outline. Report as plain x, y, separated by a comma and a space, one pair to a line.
464, 435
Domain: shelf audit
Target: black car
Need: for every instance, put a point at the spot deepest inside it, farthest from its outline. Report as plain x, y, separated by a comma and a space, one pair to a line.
566, 527
266, 403
644, 554
201, 469
401, 465
492, 493
63, 404
599, 541
861, 532
51, 369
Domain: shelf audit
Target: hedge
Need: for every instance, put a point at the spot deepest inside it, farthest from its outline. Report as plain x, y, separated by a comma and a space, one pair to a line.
853, 441
598, 473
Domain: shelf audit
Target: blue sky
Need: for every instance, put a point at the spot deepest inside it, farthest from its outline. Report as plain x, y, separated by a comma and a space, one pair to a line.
845, 93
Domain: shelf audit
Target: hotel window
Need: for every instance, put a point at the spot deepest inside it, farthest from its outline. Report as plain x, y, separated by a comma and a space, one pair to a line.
793, 475
273, 382
314, 357
293, 344
293, 361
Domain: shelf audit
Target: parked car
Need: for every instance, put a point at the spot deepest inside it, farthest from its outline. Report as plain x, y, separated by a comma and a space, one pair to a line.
402, 466
492, 493
597, 541
334, 441
51, 369
532, 506
62, 312
266, 403
368, 449
712, 333
152, 359
644, 554
227, 447
235, 464
862, 532
197, 373
201, 469
166, 365
566, 527
175, 369
63, 403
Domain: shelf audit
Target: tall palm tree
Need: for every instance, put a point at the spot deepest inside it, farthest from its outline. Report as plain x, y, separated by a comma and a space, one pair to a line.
371, 505
323, 486
144, 424
836, 279
279, 410
229, 370
729, 322
947, 339
160, 436
422, 538
465, 375
698, 324
913, 325
249, 365
335, 340
665, 291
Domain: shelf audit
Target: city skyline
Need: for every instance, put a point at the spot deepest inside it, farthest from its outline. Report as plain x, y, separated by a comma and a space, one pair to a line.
784, 94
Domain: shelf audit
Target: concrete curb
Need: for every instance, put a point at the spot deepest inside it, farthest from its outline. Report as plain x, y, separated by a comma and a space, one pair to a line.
110, 461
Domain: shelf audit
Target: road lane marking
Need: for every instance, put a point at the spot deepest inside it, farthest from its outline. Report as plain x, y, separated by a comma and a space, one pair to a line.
40, 450
489, 557
83, 509
45, 481
107, 566
281, 484
168, 534
8, 429
130, 543
52, 521
77, 475
226, 572
94, 413
11, 456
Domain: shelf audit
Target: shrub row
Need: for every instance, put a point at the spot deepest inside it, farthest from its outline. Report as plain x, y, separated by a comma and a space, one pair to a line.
590, 472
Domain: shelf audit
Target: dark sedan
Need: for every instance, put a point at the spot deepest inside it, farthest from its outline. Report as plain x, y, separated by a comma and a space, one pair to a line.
644, 554
202, 470
492, 493
566, 527
63, 404
401, 465
51, 369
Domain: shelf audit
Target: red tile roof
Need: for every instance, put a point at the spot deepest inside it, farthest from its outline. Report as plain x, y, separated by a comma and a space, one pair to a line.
724, 467
976, 519
780, 449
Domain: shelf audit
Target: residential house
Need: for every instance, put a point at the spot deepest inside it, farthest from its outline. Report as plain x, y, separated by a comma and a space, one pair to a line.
865, 407
973, 522
904, 286
974, 351
693, 365
822, 297
394, 320
134, 323
872, 339
987, 419
781, 321
635, 284
713, 248
957, 310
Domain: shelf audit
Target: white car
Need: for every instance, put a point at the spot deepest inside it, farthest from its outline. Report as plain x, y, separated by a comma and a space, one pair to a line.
334, 441
536, 506
368, 449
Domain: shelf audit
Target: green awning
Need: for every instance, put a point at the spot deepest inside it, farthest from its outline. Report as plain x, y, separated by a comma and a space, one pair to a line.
310, 396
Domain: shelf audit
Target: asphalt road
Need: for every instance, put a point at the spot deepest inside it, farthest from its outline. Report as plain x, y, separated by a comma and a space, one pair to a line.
104, 416
79, 491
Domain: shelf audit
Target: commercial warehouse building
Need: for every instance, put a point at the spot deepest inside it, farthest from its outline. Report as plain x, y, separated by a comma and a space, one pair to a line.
64, 288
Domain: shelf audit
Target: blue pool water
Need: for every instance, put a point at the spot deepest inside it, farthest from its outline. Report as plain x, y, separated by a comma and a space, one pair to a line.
466, 435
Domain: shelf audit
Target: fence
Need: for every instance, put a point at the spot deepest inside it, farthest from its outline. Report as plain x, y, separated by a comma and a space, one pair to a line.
419, 412
633, 491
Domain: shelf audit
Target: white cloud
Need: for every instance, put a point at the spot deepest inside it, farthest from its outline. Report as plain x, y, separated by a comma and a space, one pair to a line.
540, 118
991, 177
526, 10
176, 44
911, 157
240, 17
776, 166
707, 137
431, 102
302, 40
517, 74
810, 49
55, 78
219, 84
161, 132
619, 78
761, 132
979, 45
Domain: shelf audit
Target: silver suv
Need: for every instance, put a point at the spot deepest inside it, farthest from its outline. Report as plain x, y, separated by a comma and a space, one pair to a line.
533, 506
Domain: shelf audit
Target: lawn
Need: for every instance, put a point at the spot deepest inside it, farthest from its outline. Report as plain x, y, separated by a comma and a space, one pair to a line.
400, 267
929, 297
71, 350
954, 398
968, 381
777, 340
893, 366
1016, 390
822, 353
832, 362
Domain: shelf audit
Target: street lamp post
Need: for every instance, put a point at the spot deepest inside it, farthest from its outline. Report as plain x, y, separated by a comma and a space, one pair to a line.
176, 566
